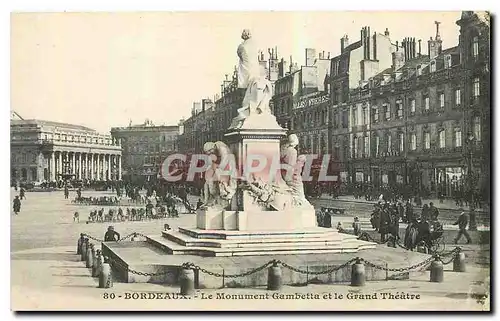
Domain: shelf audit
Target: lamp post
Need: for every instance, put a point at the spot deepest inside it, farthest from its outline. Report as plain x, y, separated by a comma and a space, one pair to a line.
472, 222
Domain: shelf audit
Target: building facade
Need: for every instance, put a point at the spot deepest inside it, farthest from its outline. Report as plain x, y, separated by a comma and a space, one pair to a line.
49, 151
144, 147
388, 113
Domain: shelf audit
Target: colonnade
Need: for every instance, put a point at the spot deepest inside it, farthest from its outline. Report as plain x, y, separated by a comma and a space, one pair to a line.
92, 166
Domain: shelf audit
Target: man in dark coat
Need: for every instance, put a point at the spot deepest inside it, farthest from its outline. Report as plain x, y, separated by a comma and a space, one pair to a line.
22, 193
111, 235
462, 222
433, 211
17, 205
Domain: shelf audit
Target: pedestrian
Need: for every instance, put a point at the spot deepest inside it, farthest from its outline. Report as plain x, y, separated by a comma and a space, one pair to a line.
17, 205
76, 217
356, 225
433, 211
111, 235
462, 222
425, 212
22, 193
66, 192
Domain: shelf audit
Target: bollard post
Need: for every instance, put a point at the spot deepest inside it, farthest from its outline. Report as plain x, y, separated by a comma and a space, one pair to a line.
274, 277
186, 281
459, 261
97, 264
89, 257
79, 244
134, 237
436, 270
106, 276
358, 275
84, 249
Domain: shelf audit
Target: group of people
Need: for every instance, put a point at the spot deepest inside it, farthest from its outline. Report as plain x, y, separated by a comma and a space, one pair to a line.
16, 203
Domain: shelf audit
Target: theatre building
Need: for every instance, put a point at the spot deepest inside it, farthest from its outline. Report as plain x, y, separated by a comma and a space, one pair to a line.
48, 151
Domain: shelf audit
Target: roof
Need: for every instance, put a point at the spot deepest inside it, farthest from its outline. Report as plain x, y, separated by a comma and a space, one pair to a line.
49, 123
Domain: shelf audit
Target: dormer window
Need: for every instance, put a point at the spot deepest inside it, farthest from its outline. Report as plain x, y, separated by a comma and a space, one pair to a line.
447, 61
475, 47
419, 70
433, 66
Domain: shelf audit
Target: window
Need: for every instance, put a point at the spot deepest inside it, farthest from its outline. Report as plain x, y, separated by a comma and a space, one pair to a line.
399, 109
355, 147
34, 174
412, 106
427, 140
389, 143
442, 138
345, 119
426, 103
447, 62
441, 100
387, 112
354, 116
375, 114
365, 116
475, 87
433, 66
377, 144
335, 120
475, 47
413, 141
477, 128
458, 97
366, 146
401, 142
458, 137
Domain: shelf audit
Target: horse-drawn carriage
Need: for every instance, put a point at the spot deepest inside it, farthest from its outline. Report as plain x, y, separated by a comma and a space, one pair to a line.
428, 234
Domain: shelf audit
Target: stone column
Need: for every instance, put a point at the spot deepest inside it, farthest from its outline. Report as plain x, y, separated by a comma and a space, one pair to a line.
52, 168
80, 163
110, 166
73, 164
119, 167
59, 166
92, 167
98, 175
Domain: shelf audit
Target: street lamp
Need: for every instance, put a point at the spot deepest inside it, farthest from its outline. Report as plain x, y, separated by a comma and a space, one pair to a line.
472, 222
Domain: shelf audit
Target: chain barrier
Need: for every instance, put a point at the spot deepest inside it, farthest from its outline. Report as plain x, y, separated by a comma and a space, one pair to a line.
453, 254
335, 269
403, 269
120, 240
120, 264
189, 265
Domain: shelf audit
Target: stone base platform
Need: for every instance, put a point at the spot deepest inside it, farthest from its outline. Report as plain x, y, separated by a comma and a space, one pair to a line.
142, 256
245, 243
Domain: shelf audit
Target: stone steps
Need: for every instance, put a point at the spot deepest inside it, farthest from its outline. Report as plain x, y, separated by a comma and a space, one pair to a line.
252, 249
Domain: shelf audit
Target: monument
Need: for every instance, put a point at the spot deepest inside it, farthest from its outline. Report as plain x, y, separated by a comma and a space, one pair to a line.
254, 202
254, 208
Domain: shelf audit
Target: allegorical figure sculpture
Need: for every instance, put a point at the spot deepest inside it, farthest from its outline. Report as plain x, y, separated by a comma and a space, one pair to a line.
258, 89
220, 185
292, 165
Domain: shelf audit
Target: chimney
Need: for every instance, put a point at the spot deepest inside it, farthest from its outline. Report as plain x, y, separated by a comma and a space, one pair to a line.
403, 46
398, 60
414, 48
397, 45
328, 55
363, 42
276, 52
344, 42
374, 46
368, 49
386, 32
419, 47
310, 56
291, 65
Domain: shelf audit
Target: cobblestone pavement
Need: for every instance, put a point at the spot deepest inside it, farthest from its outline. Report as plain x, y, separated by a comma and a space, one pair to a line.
47, 274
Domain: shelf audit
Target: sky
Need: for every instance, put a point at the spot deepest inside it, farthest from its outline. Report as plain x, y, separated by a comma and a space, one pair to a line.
104, 70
